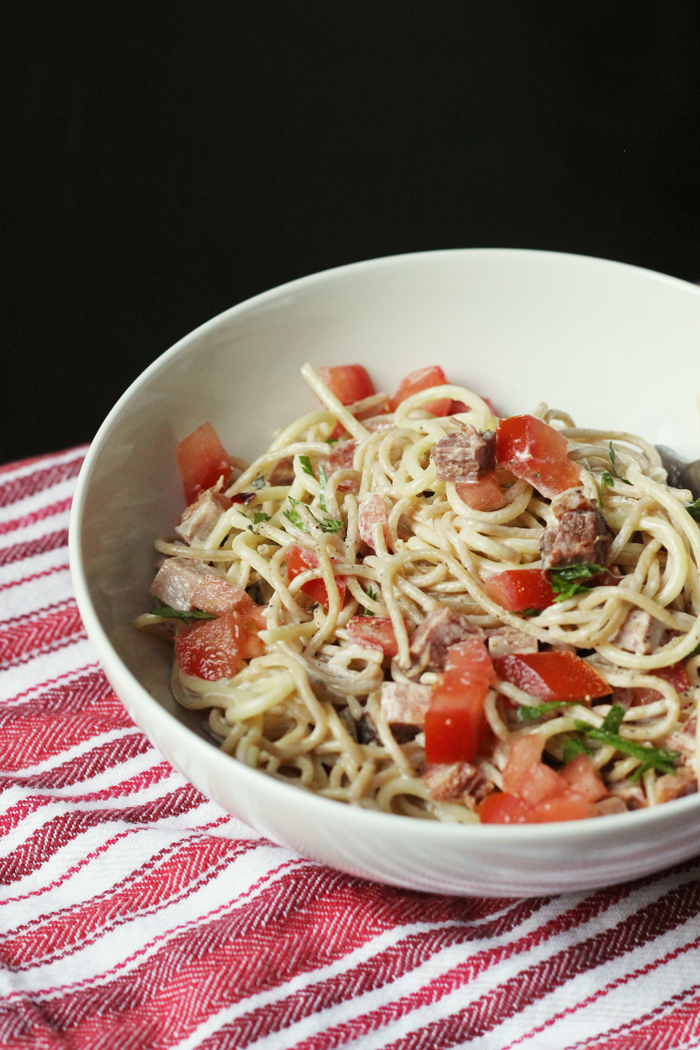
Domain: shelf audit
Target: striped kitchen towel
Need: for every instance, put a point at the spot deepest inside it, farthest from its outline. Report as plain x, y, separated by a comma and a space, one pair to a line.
137, 914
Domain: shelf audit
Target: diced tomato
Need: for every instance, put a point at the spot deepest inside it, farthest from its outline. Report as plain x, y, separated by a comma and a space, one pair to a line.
485, 494
562, 807
675, 674
349, 383
299, 560
503, 808
552, 676
371, 512
202, 460
520, 589
536, 452
582, 779
215, 595
459, 406
423, 379
216, 649
539, 782
341, 457
375, 631
524, 751
455, 724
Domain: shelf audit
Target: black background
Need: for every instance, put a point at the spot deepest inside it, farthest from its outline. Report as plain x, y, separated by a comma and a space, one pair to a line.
162, 161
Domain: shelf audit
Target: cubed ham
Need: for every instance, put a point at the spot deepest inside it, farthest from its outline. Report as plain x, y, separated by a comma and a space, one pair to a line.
405, 703
676, 785
366, 730
504, 641
341, 458
465, 457
457, 781
185, 584
370, 512
607, 807
580, 534
640, 633
282, 473
199, 519
441, 629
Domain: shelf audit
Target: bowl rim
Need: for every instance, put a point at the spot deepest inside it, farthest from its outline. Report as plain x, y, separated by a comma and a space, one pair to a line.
467, 833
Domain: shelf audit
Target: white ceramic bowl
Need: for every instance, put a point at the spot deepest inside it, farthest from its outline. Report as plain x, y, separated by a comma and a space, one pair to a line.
614, 345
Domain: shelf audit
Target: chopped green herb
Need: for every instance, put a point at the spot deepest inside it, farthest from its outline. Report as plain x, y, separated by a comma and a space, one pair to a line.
373, 595
326, 524
614, 466
695, 652
613, 719
527, 614
660, 758
306, 465
606, 482
564, 581
182, 614
332, 441
528, 714
260, 515
322, 482
694, 510
573, 747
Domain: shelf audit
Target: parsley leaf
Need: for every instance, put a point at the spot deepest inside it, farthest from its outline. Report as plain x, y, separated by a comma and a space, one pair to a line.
260, 515
527, 614
572, 747
306, 465
332, 441
606, 482
564, 580
660, 758
694, 510
326, 524
614, 466
182, 614
527, 714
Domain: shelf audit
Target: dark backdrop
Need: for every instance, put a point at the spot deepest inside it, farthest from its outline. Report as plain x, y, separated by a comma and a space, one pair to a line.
162, 161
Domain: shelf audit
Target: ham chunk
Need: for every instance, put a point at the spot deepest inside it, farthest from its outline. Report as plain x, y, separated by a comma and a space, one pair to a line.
371, 512
199, 519
607, 807
405, 704
640, 633
282, 473
580, 534
683, 740
185, 584
505, 641
458, 782
465, 457
676, 785
441, 629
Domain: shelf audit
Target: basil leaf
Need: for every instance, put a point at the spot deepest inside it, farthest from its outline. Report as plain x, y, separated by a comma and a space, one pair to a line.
573, 747
306, 465
660, 758
614, 466
322, 482
613, 719
564, 580
694, 510
528, 714
182, 614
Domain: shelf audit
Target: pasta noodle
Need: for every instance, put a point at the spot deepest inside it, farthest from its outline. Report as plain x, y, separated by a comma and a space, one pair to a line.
307, 706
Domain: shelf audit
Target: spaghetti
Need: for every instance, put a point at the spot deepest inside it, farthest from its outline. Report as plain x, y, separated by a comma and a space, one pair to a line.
349, 536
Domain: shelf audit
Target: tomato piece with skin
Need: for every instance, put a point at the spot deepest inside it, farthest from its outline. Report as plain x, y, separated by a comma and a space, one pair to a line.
375, 631
539, 782
485, 494
524, 751
552, 676
502, 807
201, 460
423, 379
520, 589
349, 383
299, 560
536, 452
676, 675
559, 808
455, 723
216, 649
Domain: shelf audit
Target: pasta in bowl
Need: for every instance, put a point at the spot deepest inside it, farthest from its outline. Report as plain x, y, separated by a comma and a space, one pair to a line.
416, 607
610, 344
